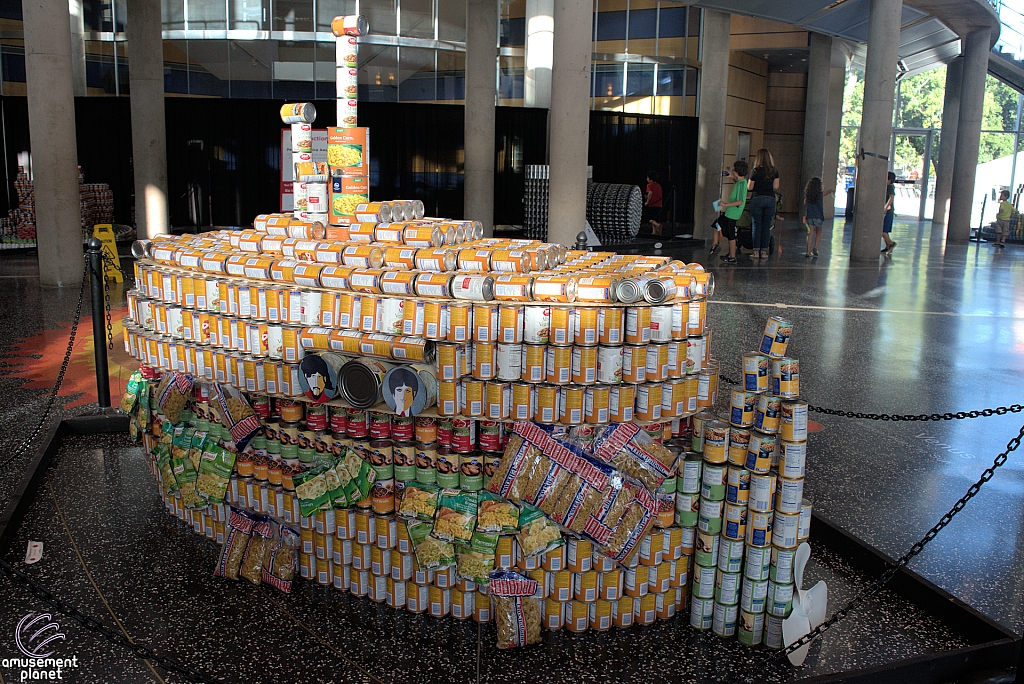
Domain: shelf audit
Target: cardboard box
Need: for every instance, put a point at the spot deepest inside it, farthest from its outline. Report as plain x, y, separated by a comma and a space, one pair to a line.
346, 193
348, 150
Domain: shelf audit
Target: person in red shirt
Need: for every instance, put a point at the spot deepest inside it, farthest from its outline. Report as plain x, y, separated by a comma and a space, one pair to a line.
652, 202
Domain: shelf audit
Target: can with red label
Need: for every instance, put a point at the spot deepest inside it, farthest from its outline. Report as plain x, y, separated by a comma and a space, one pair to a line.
463, 435
380, 425
490, 435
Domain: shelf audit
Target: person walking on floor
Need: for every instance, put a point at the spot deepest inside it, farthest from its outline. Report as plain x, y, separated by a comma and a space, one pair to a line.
1003, 219
890, 214
814, 214
652, 202
733, 208
763, 183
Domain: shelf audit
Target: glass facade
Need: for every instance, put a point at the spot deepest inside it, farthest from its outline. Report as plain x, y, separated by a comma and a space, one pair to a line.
646, 52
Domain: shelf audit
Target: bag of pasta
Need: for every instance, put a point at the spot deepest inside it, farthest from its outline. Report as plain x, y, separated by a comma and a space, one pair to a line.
162, 454
521, 462
636, 521
536, 533
630, 450
215, 466
131, 393
240, 526
476, 562
456, 516
419, 501
185, 475
516, 611
281, 560
431, 552
494, 514
170, 397
311, 490
262, 540
235, 414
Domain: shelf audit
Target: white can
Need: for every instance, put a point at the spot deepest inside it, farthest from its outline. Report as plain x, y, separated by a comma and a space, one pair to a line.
310, 312
762, 492
804, 530
537, 325
785, 527
792, 459
701, 613
609, 365
753, 594
509, 361
730, 555
661, 324
391, 316
275, 345
694, 354
723, 622
316, 198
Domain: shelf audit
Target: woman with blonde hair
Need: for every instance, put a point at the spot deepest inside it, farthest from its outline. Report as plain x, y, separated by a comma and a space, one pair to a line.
763, 183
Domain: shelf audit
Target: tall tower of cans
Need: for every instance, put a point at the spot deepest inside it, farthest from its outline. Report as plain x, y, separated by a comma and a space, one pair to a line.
740, 495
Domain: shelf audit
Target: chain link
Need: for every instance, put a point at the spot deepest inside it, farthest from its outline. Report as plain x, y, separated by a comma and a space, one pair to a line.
98, 627
886, 576
52, 398
907, 417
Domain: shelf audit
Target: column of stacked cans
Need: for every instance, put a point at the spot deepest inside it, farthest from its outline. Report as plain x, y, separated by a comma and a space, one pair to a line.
613, 211
742, 489
535, 202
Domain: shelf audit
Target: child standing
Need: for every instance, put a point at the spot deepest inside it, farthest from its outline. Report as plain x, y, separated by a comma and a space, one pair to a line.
1003, 219
733, 209
814, 214
890, 214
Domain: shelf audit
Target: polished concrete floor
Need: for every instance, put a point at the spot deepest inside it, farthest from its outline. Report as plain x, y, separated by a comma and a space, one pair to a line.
933, 328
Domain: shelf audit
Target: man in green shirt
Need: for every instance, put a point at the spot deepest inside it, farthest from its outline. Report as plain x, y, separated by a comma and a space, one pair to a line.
733, 209
1003, 219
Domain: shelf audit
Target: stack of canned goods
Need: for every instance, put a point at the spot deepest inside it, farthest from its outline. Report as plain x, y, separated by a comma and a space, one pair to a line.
591, 338
740, 492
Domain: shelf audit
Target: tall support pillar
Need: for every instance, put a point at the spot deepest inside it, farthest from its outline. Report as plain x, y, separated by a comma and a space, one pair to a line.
714, 78
76, 11
51, 114
968, 134
876, 127
481, 72
834, 126
570, 120
816, 109
149, 136
947, 140
540, 36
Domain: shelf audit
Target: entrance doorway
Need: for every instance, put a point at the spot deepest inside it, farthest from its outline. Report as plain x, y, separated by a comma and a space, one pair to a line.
910, 158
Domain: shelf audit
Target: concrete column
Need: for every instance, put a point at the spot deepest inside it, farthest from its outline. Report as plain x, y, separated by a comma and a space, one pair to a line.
876, 127
481, 71
714, 78
77, 47
947, 140
51, 115
968, 133
834, 126
149, 135
540, 36
570, 120
816, 110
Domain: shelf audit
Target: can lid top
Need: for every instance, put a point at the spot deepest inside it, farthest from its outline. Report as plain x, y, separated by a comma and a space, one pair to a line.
359, 386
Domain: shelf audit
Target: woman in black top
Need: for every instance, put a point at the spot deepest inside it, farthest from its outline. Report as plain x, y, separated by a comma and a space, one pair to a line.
763, 183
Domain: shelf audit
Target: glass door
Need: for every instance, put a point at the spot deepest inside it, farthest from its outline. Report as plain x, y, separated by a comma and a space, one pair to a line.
911, 161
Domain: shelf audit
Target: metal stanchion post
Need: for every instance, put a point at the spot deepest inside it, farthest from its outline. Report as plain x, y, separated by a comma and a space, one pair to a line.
99, 336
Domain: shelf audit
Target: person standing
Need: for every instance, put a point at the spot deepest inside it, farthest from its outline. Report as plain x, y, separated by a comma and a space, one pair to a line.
1003, 219
814, 214
652, 202
733, 208
890, 214
763, 183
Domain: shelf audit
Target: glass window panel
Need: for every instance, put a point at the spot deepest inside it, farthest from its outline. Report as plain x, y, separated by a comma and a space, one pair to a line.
293, 15
378, 75
994, 173
175, 67
294, 71
248, 15
451, 76
325, 71
416, 74
672, 23
921, 99
93, 12
639, 80
611, 25
643, 23
206, 15
513, 32
382, 15
672, 46
208, 68
692, 22
252, 68
417, 18
99, 68
451, 19
1001, 103
173, 14
326, 10
642, 46
510, 81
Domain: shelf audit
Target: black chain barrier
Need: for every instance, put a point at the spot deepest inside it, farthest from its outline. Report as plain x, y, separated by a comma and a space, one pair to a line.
907, 417
917, 548
98, 627
52, 398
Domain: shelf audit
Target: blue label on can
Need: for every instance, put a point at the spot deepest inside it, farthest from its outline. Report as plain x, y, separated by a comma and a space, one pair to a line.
757, 538
736, 417
732, 529
750, 382
766, 344
775, 386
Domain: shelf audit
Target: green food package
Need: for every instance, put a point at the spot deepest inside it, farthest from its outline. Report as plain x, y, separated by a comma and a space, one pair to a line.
186, 476
163, 463
215, 468
536, 533
431, 552
476, 562
311, 490
456, 516
341, 481
131, 393
495, 514
419, 501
